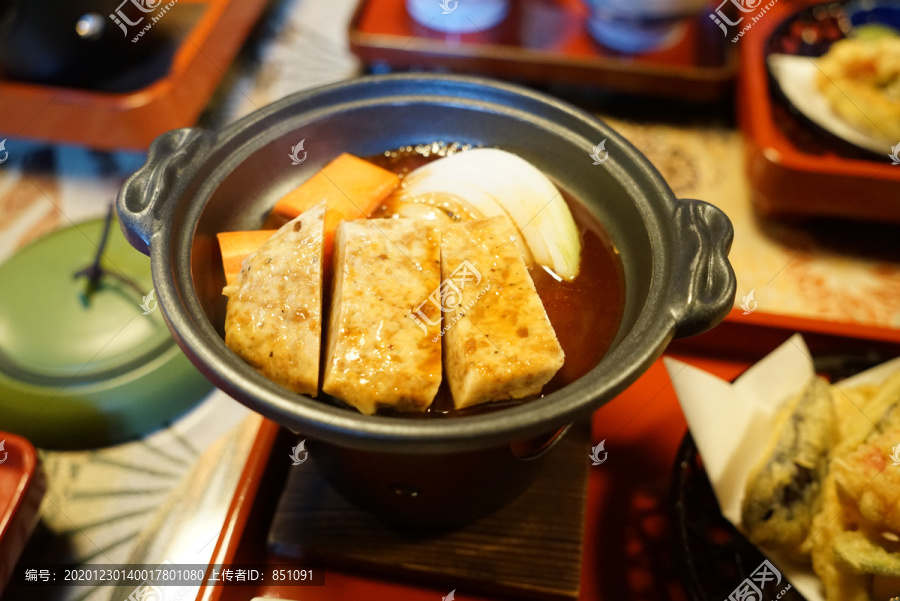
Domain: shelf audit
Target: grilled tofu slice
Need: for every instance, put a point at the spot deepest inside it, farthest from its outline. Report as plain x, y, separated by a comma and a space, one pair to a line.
377, 355
498, 341
274, 315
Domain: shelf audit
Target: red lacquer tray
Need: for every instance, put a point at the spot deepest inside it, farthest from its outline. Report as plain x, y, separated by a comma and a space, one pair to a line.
132, 120
789, 175
22, 487
628, 552
546, 41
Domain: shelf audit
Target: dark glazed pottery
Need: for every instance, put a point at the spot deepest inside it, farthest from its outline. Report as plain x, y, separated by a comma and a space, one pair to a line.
196, 183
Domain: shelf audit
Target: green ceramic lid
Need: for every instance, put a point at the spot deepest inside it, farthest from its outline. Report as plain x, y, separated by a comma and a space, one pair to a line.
83, 371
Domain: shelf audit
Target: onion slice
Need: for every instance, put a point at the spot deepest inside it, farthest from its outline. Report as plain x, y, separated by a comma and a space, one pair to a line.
496, 182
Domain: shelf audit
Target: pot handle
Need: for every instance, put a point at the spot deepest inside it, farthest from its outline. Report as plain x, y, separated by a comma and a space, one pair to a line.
144, 194
703, 284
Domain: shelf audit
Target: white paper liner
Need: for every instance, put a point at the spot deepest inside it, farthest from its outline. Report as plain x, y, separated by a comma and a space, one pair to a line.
731, 423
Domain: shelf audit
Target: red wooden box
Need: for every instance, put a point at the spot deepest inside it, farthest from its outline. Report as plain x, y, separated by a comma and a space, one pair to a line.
132, 120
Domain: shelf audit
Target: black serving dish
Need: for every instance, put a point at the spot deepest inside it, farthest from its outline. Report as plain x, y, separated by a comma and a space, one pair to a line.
712, 555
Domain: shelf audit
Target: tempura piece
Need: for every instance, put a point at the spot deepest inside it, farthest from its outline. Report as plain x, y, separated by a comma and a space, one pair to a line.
840, 583
377, 355
867, 554
498, 341
855, 547
274, 315
783, 493
864, 411
869, 476
861, 80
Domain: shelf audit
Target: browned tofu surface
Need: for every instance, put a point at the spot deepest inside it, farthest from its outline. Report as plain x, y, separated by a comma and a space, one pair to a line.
274, 315
377, 355
498, 341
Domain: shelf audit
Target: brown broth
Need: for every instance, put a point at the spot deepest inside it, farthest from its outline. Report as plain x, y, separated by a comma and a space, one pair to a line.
585, 313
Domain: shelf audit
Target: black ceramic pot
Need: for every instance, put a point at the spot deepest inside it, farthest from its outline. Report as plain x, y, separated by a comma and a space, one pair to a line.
196, 183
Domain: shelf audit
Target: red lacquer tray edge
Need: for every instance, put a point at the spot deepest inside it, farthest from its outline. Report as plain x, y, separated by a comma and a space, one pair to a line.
695, 83
17, 524
242, 503
844, 329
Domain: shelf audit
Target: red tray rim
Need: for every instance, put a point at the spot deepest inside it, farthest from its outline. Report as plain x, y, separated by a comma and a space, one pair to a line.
383, 41
30, 464
23, 512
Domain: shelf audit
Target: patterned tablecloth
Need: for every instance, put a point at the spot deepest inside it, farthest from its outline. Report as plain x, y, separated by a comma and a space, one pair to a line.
100, 502
826, 270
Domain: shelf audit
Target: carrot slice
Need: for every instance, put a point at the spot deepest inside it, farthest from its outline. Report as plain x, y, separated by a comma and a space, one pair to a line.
236, 246
351, 187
